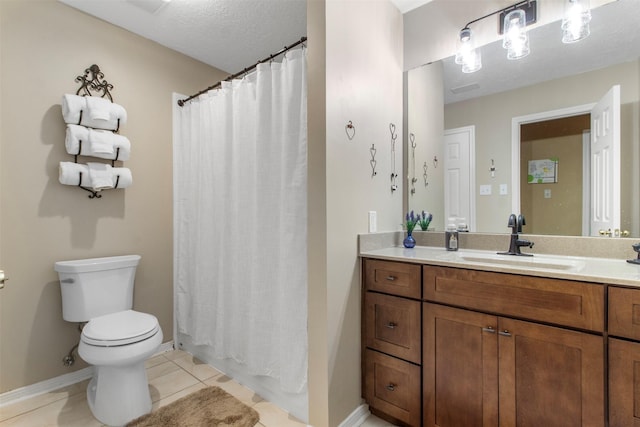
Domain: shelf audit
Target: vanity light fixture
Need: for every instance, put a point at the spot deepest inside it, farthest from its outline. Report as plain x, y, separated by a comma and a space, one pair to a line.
512, 23
575, 23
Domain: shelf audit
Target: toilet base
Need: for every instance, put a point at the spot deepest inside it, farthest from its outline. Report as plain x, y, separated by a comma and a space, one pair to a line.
119, 390
117, 395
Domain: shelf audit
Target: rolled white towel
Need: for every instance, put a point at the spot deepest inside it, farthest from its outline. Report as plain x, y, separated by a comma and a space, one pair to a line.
125, 179
101, 176
72, 105
98, 108
100, 142
77, 138
97, 143
71, 172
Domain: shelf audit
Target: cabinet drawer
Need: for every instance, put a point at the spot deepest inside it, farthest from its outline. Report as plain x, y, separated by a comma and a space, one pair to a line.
394, 278
561, 302
624, 312
392, 386
392, 325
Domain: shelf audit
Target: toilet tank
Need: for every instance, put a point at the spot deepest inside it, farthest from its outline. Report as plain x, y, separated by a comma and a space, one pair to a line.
96, 286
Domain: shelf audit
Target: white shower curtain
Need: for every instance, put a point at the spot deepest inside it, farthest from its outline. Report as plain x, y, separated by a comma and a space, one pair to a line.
241, 216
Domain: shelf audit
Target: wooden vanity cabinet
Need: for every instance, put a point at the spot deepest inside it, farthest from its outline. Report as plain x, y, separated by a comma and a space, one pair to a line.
450, 347
481, 368
624, 357
391, 340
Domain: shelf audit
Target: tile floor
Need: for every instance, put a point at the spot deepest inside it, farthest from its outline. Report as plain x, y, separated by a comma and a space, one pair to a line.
172, 375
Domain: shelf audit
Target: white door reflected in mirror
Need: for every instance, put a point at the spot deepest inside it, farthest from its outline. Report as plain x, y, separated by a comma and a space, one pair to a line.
605, 163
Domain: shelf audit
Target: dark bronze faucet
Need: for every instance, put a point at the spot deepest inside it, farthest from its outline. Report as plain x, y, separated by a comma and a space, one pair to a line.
636, 247
515, 242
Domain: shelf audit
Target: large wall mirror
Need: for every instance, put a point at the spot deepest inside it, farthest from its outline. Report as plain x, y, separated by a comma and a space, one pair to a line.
443, 103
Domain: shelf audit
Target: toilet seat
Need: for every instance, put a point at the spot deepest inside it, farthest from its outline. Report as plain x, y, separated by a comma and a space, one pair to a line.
120, 328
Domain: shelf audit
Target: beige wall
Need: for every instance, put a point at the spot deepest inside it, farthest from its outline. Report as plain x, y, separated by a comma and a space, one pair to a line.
45, 45
317, 254
562, 212
363, 85
492, 116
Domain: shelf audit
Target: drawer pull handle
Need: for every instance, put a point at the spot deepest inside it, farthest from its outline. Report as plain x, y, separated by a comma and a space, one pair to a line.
391, 278
489, 329
391, 325
505, 333
391, 387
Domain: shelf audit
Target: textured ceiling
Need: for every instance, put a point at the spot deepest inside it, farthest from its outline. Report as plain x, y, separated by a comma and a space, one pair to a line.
227, 34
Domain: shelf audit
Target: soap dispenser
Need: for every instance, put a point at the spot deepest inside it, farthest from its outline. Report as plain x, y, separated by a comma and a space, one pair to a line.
451, 236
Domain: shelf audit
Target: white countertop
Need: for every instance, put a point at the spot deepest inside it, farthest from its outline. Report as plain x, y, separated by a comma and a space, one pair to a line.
597, 270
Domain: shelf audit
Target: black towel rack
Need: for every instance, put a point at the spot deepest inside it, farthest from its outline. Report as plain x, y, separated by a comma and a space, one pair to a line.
93, 81
94, 193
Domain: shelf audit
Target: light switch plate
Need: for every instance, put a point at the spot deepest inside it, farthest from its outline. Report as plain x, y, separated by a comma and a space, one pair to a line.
373, 219
547, 193
485, 190
503, 189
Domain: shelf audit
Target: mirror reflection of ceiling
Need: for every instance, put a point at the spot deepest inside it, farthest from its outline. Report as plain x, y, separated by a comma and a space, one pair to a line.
614, 38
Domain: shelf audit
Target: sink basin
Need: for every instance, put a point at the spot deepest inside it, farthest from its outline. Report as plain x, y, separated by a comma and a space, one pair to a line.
526, 262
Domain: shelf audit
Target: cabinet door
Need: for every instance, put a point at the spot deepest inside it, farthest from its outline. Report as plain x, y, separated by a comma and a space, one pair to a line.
624, 383
460, 372
549, 376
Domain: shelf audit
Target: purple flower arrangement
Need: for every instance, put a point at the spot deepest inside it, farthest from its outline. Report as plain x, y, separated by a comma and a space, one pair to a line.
424, 220
410, 221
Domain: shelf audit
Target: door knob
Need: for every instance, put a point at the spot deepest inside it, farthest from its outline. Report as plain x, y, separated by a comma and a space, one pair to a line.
3, 279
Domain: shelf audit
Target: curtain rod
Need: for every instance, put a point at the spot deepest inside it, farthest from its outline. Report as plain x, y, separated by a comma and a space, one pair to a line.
181, 102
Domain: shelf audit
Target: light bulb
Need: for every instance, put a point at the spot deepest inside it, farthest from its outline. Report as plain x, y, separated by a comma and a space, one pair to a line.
467, 55
575, 23
515, 35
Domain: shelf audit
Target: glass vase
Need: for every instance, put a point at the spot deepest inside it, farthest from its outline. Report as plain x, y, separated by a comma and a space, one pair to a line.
409, 241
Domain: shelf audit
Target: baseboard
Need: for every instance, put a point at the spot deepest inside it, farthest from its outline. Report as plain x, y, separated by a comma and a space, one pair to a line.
22, 393
165, 347
357, 417
32, 390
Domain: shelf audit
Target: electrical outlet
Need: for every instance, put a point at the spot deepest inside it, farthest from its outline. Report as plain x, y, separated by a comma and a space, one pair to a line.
547, 193
503, 190
373, 219
485, 190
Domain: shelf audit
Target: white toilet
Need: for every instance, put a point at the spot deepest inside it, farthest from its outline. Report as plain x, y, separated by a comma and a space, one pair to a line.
116, 339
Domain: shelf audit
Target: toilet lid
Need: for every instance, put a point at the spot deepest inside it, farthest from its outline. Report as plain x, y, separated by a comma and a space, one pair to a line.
121, 328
